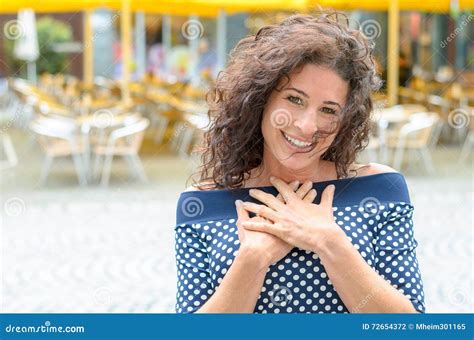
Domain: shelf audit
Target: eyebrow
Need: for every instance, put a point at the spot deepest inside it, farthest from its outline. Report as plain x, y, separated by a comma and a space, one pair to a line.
332, 103
299, 91
304, 94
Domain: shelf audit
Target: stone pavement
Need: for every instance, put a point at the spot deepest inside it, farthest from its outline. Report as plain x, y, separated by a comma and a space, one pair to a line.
70, 249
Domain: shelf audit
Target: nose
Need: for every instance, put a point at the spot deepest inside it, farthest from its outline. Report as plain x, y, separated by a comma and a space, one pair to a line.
307, 125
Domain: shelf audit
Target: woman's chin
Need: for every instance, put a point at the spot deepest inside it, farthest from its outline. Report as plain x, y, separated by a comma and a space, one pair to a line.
295, 161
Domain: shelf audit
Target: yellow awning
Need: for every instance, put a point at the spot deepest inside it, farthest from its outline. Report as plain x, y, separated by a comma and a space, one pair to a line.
212, 7
51, 6
434, 6
176, 7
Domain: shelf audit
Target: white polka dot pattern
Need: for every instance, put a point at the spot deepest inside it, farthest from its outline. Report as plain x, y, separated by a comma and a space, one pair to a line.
298, 283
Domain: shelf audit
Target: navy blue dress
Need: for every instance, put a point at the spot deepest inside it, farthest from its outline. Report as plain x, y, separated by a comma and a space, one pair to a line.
374, 211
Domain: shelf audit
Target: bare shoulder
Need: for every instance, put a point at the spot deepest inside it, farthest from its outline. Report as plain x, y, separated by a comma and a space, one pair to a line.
371, 169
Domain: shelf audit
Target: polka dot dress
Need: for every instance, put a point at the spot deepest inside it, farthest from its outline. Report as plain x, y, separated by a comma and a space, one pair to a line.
374, 211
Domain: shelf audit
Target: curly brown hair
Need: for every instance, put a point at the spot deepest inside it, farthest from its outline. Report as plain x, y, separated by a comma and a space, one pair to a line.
233, 145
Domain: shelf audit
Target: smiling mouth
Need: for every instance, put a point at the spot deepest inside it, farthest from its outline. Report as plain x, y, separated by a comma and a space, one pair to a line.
296, 143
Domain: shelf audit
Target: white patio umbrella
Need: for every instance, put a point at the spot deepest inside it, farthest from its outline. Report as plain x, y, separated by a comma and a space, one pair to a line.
26, 45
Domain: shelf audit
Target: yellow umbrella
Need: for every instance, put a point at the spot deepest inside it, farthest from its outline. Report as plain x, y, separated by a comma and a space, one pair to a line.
434, 6
52, 6
212, 7
176, 7
216, 7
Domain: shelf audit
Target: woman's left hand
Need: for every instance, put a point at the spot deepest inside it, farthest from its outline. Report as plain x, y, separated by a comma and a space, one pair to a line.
297, 221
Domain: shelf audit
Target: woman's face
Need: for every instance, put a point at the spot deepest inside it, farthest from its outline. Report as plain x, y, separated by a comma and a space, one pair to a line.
309, 105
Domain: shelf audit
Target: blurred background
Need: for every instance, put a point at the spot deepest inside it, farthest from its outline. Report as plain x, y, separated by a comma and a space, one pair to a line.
102, 103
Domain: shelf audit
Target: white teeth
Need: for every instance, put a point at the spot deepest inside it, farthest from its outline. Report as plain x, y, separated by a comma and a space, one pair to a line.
296, 142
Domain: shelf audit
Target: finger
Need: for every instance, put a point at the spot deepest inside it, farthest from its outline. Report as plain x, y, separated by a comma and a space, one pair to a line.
261, 210
304, 189
268, 199
293, 185
283, 189
259, 219
242, 214
310, 196
328, 195
264, 227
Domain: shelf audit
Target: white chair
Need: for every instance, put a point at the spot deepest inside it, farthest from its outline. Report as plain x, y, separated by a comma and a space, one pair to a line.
182, 139
11, 159
469, 141
443, 106
8, 104
60, 138
467, 147
124, 141
409, 108
21, 102
418, 135
160, 124
186, 133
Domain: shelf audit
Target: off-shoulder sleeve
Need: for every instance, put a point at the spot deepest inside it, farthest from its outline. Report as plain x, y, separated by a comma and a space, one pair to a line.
194, 285
395, 249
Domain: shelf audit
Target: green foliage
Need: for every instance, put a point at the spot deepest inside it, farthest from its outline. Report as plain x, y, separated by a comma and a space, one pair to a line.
50, 32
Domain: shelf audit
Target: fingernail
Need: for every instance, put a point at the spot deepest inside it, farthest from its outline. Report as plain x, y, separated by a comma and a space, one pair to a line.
251, 191
272, 178
237, 202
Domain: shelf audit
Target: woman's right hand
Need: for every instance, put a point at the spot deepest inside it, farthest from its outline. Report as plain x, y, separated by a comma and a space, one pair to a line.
263, 245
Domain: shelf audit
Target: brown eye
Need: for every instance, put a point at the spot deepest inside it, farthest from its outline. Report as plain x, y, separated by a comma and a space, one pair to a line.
328, 110
295, 100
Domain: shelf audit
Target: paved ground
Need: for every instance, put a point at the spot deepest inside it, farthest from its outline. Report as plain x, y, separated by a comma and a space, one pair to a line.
70, 249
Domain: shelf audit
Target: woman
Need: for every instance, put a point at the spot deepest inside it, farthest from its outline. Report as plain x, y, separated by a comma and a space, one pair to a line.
293, 106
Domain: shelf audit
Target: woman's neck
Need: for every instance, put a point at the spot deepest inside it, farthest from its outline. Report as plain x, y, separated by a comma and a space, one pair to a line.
318, 170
